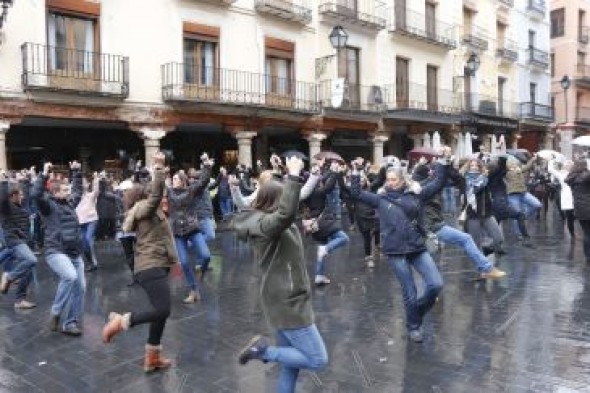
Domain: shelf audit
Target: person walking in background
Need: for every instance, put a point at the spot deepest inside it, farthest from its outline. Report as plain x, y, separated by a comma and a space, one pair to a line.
224, 194
566, 199
285, 288
155, 254
579, 181
88, 218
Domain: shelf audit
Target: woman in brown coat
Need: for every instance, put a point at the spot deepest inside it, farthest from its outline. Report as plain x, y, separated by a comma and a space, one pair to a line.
155, 254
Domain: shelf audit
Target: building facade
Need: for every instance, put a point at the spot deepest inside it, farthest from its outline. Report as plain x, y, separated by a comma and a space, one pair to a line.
106, 82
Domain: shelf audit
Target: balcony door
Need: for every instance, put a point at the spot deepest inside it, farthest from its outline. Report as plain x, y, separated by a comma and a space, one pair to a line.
349, 69
400, 15
279, 81
402, 82
430, 20
72, 61
432, 88
347, 7
501, 88
201, 75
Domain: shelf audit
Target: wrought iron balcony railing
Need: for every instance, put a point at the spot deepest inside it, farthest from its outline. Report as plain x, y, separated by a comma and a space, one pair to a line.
506, 3
583, 71
538, 57
421, 97
52, 68
489, 105
223, 86
583, 114
476, 39
418, 26
366, 13
354, 97
285, 9
507, 51
584, 35
537, 8
533, 110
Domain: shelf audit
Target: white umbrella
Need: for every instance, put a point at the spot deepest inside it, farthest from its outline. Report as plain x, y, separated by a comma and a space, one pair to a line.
582, 141
436, 140
468, 148
426, 140
502, 142
550, 155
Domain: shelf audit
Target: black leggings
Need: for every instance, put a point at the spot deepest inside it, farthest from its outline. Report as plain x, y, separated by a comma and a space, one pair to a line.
128, 244
154, 282
586, 228
367, 240
569, 219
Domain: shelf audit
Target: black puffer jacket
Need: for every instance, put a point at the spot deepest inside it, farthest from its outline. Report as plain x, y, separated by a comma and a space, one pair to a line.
364, 214
14, 218
328, 222
62, 229
579, 182
183, 203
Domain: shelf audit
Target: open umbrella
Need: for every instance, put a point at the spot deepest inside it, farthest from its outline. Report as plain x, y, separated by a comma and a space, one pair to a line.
523, 155
294, 153
582, 141
551, 155
329, 155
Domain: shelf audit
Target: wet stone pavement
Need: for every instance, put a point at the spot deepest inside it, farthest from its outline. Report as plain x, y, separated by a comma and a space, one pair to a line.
527, 333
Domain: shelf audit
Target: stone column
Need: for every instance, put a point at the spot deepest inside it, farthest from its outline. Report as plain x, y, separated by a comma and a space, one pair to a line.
417, 138
84, 153
245, 147
315, 143
378, 141
566, 135
151, 141
4, 126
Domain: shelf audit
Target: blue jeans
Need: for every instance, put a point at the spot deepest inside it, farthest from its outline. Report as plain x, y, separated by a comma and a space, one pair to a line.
459, 238
335, 240
69, 298
526, 203
449, 201
225, 205
208, 228
416, 307
88, 231
23, 263
297, 349
198, 242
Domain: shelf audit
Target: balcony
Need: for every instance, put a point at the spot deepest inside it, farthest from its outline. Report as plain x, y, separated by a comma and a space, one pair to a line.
583, 35
506, 3
476, 39
538, 58
420, 97
232, 87
365, 13
582, 114
355, 97
537, 9
418, 26
489, 105
507, 51
535, 111
50, 68
284, 9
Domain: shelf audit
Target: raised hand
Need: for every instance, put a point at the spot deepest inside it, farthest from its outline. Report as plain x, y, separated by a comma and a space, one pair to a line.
294, 166
75, 165
46, 168
159, 159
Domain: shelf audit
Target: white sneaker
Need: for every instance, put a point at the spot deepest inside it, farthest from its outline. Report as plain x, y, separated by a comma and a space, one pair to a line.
369, 262
322, 252
321, 280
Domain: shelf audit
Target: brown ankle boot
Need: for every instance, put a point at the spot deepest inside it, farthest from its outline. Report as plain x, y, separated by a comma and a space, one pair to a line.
116, 324
154, 359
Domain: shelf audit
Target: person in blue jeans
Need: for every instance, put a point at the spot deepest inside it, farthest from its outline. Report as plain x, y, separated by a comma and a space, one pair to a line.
285, 288
63, 247
400, 207
224, 194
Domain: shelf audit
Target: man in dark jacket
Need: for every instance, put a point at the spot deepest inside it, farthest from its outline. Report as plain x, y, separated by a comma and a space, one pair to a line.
63, 247
224, 194
15, 219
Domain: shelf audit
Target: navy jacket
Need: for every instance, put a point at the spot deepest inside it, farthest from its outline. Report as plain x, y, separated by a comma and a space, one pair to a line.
401, 213
14, 218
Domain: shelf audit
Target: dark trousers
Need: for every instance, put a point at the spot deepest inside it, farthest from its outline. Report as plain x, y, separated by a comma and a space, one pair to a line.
154, 282
367, 240
569, 219
128, 244
586, 228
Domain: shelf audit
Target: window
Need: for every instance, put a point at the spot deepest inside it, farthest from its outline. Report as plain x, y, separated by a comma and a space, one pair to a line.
200, 61
467, 22
400, 15
533, 92
532, 35
278, 75
430, 20
582, 31
557, 23
431, 88
402, 82
581, 58
71, 43
349, 69
501, 86
552, 64
501, 34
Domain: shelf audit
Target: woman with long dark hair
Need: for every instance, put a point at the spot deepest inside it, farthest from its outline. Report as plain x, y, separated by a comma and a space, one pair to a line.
155, 254
285, 288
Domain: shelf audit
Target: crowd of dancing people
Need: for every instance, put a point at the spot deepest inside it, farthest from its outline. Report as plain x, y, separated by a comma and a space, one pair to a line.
405, 217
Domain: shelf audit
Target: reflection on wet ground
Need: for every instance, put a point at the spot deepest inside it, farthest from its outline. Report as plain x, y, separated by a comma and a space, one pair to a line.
528, 333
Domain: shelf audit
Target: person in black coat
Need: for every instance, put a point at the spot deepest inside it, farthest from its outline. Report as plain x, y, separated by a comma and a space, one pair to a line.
579, 181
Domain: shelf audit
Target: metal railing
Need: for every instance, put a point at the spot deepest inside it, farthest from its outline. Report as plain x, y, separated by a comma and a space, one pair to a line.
583, 71
584, 35
489, 105
506, 3
363, 12
414, 24
538, 6
583, 114
355, 98
60, 69
507, 50
538, 57
533, 110
285, 9
422, 97
477, 38
224, 86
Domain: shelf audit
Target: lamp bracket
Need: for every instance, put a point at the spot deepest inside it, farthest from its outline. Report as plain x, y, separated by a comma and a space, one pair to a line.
321, 63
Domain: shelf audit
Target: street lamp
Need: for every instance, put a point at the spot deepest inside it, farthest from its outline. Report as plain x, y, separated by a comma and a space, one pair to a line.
472, 64
565, 84
5, 4
338, 39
